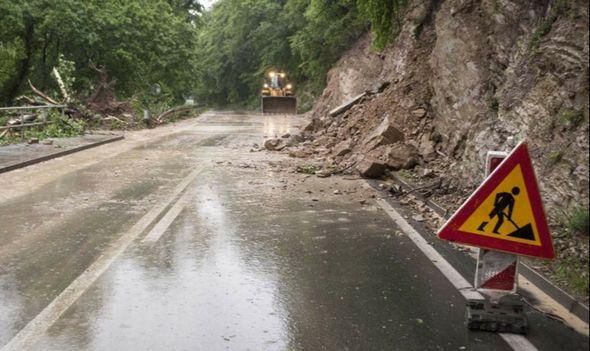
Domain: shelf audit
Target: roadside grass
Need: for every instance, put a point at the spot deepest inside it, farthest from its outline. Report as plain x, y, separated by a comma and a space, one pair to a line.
3, 120
555, 157
579, 221
558, 8
572, 274
570, 270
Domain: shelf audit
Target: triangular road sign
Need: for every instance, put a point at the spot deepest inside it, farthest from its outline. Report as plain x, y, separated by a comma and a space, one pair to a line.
505, 213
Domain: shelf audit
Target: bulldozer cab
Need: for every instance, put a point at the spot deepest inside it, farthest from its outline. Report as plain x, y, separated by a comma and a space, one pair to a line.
277, 95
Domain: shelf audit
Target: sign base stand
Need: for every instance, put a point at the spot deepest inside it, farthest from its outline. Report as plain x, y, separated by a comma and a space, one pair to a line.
505, 316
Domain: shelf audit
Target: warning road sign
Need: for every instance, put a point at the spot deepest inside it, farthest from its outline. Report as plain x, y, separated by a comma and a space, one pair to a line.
505, 213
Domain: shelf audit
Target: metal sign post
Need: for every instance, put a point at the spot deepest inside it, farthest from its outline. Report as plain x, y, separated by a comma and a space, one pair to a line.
496, 272
496, 276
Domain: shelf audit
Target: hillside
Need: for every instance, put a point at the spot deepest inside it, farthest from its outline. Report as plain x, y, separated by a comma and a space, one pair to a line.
467, 77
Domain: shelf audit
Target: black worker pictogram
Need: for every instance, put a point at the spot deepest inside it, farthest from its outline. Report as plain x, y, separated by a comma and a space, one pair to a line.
502, 211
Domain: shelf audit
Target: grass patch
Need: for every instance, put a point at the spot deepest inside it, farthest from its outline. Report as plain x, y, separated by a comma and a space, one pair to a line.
555, 157
3, 120
573, 274
579, 221
558, 8
571, 117
539, 33
307, 169
496, 8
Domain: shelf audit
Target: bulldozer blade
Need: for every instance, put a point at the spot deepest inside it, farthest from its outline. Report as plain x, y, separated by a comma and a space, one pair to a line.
279, 104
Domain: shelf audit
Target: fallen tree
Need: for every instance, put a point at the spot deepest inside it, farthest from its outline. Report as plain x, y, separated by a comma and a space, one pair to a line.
174, 111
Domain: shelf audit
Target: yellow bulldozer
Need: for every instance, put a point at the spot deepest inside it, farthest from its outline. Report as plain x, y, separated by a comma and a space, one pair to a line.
277, 94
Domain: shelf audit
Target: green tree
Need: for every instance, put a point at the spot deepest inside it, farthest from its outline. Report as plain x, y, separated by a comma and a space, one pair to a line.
241, 40
330, 28
140, 42
384, 17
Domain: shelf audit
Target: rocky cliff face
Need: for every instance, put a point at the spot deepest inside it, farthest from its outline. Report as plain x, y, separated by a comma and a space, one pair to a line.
468, 77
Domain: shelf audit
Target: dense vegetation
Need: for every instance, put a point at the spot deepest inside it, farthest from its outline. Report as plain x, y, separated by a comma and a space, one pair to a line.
242, 39
140, 42
219, 56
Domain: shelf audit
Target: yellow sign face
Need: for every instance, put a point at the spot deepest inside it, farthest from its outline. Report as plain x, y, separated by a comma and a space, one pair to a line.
506, 213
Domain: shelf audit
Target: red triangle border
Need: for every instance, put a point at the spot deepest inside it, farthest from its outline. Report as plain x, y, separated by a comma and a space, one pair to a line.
519, 156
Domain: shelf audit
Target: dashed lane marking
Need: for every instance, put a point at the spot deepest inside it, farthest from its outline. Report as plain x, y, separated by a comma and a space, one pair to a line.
160, 228
30, 334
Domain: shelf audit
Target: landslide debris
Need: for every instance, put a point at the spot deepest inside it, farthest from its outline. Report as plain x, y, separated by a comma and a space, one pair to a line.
462, 78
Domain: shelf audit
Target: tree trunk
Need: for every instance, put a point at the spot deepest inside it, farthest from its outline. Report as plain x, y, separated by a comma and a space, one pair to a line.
11, 88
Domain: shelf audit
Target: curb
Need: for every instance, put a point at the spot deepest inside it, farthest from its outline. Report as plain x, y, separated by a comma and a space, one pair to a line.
561, 297
58, 154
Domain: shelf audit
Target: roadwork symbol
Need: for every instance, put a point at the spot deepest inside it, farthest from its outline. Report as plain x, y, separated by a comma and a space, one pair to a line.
505, 213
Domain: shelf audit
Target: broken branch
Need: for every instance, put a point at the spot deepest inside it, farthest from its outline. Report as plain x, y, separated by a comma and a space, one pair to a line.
41, 95
60, 83
173, 111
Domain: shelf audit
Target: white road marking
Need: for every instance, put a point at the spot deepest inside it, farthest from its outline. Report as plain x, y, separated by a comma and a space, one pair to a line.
518, 342
515, 341
30, 334
160, 228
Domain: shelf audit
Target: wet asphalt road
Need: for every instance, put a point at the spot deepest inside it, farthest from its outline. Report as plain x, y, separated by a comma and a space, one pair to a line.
246, 256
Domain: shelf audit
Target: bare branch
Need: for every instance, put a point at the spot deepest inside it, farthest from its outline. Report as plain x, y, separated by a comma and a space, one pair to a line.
41, 95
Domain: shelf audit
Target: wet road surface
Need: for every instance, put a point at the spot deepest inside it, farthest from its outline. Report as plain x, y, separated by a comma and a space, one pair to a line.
192, 242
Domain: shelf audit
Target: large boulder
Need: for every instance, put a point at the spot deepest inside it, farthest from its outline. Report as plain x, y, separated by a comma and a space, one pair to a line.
371, 168
386, 133
402, 156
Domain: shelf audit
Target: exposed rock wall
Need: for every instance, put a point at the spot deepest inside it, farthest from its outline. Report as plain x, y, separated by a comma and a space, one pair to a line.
468, 77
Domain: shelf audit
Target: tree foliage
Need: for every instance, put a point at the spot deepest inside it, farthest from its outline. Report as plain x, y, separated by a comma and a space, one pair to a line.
220, 55
384, 16
140, 43
242, 39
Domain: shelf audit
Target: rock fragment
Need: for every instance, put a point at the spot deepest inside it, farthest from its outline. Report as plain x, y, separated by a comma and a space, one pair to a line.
418, 218
384, 134
342, 148
402, 156
419, 112
370, 168
272, 144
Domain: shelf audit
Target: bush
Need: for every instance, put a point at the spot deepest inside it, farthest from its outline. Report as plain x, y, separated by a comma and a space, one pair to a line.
578, 222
